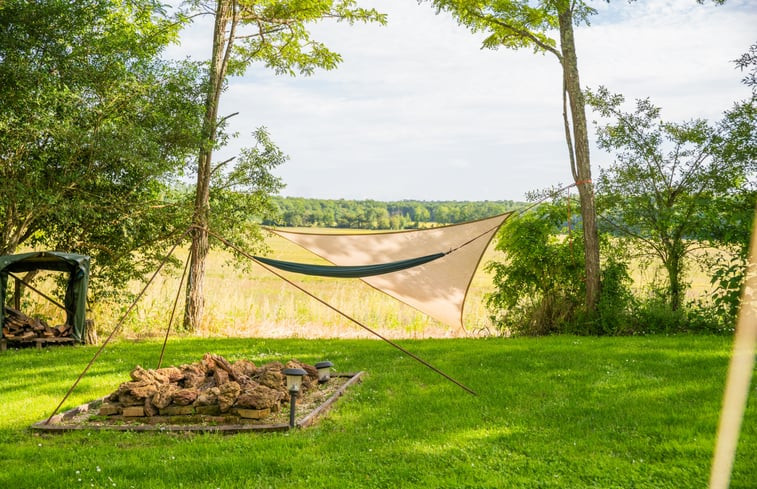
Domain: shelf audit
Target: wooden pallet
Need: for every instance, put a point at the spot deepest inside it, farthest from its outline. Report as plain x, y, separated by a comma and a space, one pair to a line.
38, 342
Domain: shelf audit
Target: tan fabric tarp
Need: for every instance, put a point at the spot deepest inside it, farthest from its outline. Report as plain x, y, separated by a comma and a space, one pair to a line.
437, 288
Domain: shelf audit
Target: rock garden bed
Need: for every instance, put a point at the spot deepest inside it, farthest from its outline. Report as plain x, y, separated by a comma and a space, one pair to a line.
210, 395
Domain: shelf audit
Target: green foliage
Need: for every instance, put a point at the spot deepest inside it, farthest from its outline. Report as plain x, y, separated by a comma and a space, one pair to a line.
372, 214
276, 33
538, 289
617, 304
539, 286
516, 24
728, 278
93, 126
748, 62
672, 185
241, 197
281, 39
655, 316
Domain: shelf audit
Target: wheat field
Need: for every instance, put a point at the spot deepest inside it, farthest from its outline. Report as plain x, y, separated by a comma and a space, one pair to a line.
243, 299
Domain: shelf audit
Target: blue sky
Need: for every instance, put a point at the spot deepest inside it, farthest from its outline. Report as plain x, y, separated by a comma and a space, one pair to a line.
417, 110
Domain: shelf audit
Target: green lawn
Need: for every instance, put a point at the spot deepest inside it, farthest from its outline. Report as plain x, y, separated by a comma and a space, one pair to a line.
564, 412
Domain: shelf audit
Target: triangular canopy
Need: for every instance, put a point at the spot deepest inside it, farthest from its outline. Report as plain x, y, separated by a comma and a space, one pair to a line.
77, 267
437, 288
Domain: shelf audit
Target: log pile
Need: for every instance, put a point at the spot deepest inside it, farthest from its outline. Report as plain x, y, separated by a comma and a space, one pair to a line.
212, 386
17, 326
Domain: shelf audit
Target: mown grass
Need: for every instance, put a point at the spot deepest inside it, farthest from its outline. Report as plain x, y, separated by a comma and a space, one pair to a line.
638, 412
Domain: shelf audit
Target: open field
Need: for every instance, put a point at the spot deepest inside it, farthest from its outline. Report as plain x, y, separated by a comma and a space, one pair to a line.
249, 301
562, 412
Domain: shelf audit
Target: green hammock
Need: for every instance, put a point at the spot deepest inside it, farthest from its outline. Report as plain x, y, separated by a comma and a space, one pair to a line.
355, 271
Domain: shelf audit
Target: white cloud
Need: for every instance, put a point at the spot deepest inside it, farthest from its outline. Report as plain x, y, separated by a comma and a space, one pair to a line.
418, 110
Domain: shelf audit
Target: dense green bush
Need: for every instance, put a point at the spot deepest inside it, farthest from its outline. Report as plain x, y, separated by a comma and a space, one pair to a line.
539, 288
617, 305
728, 277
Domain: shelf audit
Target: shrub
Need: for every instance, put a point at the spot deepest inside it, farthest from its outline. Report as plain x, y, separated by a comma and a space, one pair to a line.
728, 277
655, 316
539, 288
617, 304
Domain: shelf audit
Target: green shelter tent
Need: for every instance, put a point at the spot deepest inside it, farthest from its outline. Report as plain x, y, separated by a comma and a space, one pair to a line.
77, 267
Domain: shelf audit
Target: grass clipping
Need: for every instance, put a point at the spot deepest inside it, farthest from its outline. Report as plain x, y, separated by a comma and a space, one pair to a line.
212, 391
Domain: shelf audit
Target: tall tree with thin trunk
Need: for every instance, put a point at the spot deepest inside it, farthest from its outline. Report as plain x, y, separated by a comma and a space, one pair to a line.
274, 33
524, 24
674, 187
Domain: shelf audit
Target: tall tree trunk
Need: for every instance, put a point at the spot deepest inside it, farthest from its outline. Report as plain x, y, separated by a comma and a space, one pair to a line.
674, 267
222, 41
582, 165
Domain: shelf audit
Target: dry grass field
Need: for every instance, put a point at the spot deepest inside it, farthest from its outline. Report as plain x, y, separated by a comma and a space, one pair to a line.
244, 300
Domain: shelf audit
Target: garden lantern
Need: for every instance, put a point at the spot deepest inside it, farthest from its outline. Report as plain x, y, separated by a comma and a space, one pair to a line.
294, 382
324, 371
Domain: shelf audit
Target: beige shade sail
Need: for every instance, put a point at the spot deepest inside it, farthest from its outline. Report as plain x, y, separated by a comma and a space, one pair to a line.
437, 288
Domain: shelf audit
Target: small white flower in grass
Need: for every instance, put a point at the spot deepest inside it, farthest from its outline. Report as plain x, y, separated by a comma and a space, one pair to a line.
97, 468
78, 472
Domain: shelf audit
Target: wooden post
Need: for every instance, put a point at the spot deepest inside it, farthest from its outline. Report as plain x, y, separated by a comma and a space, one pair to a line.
17, 291
90, 337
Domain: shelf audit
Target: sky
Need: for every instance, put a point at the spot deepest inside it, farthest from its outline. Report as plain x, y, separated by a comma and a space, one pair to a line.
417, 110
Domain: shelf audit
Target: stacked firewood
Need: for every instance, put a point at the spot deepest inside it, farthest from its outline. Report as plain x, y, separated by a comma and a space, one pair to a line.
20, 327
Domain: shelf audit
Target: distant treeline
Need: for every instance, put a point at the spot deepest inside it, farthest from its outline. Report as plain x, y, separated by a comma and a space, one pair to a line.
372, 214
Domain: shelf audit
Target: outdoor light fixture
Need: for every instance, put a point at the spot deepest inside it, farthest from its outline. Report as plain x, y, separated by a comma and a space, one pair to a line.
294, 382
324, 371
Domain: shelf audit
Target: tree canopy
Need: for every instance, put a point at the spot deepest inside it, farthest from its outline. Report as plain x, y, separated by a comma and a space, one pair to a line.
672, 182
372, 214
93, 125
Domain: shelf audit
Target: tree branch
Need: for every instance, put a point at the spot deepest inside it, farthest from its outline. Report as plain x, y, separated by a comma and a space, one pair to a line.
627, 231
221, 165
225, 118
568, 135
518, 32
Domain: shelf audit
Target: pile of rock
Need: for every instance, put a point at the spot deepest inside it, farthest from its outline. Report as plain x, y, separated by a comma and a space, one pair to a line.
212, 386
